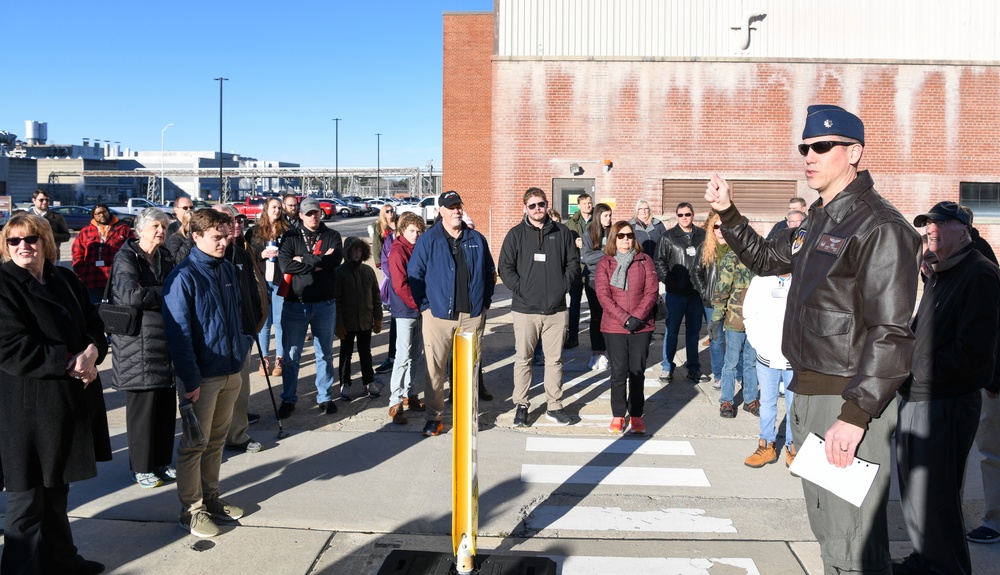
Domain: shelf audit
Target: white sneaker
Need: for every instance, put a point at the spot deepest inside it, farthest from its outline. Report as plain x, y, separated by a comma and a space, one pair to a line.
602, 363
592, 362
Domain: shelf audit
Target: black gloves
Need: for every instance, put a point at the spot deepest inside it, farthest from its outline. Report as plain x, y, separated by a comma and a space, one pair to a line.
713, 329
633, 324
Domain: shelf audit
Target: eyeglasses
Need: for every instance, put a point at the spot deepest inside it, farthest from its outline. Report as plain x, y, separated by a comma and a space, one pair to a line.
822, 147
30, 240
185, 208
41, 199
717, 225
685, 215
390, 211
625, 235
538, 205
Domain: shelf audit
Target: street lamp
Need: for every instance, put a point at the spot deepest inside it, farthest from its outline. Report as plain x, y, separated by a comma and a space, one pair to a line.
162, 189
220, 80
336, 152
378, 165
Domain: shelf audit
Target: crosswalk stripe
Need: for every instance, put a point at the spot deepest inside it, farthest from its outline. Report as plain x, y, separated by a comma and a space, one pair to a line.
636, 446
665, 520
582, 565
601, 475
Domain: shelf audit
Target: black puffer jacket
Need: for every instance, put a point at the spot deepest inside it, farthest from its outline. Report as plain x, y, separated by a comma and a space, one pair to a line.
142, 361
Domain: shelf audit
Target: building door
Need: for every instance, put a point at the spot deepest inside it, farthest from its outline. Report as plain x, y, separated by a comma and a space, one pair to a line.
565, 191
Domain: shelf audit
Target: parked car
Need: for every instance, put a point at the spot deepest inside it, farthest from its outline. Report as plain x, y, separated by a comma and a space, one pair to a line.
365, 207
347, 210
135, 205
325, 204
4, 216
427, 208
251, 207
78, 217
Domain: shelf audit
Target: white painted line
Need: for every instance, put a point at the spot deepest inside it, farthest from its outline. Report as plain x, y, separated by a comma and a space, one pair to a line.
620, 475
558, 517
655, 565
637, 446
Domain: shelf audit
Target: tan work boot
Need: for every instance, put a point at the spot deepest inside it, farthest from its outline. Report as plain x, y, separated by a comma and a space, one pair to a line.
276, 366
790, 452
396, 414
765, 454
265, 368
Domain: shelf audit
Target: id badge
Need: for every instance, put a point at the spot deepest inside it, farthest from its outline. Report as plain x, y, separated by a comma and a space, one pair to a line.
690, 251
99, 263
539, 257
779, 292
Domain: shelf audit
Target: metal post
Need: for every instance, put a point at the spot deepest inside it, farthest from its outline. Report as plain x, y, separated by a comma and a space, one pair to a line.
162, 189
220, 81
336, 154
378, 165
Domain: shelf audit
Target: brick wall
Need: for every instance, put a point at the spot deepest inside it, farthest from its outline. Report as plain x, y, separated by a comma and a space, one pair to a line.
928, 127
467, 101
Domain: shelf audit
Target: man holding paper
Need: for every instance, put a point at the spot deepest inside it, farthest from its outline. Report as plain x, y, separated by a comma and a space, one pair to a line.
846, 326
956, 327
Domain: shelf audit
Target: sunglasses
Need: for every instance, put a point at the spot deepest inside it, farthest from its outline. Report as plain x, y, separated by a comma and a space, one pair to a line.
625, 235
685, 215
717, 225
390, 211
538, 205
185, 208
30, 240
822, 147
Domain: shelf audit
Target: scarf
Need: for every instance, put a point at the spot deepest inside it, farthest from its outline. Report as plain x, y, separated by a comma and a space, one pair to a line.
619, 278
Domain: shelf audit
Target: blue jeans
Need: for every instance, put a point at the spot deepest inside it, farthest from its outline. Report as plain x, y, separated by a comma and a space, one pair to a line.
295, 319
264, 337
737, 344
409, 345
716, 347
768, 379
688, 309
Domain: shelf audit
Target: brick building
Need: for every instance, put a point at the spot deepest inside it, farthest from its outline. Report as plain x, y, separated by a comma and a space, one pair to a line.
546, 92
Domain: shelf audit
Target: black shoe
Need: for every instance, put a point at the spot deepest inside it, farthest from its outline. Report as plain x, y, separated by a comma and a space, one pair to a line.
385, 367
912, 564
253, 418
285, 410
698, 377
570, 343
666, 376
328, 407
484, 394
521, 416
983, 534
559, 416
248, 446
83, 567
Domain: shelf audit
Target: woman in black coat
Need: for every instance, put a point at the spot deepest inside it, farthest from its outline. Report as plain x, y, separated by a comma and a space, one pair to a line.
141, 362
53, 425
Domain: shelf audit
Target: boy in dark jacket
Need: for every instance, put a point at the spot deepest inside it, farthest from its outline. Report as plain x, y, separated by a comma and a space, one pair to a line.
359, 313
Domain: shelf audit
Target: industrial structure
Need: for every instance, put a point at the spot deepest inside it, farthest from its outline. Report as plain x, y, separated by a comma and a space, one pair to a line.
647, 99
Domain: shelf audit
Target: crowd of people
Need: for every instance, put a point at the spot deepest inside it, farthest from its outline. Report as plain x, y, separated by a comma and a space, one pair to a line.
819, 312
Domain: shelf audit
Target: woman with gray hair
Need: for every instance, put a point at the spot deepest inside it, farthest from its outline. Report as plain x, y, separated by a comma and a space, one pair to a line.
648, 229
141, 366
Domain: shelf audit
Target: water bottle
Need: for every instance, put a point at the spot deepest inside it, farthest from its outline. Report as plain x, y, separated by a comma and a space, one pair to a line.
190, 427
272, 244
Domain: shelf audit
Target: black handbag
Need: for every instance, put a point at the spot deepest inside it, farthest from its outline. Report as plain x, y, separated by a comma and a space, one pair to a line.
118, 319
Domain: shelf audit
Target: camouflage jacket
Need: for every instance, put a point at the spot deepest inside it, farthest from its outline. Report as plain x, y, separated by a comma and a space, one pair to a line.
730, 290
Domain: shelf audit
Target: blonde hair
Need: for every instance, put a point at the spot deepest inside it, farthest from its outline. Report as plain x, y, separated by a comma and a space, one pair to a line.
710, 247
34, 226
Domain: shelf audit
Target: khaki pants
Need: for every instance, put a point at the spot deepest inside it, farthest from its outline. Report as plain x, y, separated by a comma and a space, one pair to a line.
238, 430
438, 340
198, 466
528, 329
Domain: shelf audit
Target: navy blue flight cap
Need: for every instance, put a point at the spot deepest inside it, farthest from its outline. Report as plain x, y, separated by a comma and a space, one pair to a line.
826, 120
942, 211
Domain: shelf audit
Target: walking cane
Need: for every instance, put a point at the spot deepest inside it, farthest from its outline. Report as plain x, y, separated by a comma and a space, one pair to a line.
270, 392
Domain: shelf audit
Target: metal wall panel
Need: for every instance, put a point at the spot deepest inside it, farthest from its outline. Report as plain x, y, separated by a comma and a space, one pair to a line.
870, 30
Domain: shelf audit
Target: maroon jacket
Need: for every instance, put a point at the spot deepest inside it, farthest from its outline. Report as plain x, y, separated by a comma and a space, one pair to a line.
89, 250
639, 301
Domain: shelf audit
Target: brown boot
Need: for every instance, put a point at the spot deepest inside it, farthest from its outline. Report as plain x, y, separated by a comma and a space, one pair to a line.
790, 452
414, 404
265, 367
765, 454
753, 407
276, 366
396, 414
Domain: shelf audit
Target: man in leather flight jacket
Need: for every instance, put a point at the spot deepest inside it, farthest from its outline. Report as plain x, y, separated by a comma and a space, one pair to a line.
846, 328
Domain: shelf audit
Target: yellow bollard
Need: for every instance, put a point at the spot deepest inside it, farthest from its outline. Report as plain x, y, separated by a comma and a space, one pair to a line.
465, 478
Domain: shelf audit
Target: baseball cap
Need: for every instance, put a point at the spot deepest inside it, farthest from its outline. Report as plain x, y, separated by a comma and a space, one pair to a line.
309, 205
942, 211
449, 199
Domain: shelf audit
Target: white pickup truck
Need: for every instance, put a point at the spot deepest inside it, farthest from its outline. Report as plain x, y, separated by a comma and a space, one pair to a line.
136, 205
428, 208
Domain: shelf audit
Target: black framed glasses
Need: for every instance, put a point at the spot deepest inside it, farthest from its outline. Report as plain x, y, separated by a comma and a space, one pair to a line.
30, 240
822, 147
625, 236
538, 205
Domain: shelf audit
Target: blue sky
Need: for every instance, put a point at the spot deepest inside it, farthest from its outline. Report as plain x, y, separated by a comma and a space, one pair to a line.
121, 71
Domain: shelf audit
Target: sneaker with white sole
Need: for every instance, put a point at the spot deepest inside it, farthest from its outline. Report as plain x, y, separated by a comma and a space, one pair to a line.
198, 524
374, 390
558, 416
521, 416
220, 509
148, 480
602, 363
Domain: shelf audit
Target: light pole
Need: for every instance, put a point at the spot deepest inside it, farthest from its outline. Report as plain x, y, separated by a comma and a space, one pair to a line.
162, 189
220, 80
378, 165
336, 153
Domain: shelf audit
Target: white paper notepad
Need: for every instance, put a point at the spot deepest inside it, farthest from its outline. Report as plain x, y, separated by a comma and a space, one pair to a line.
851, 483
